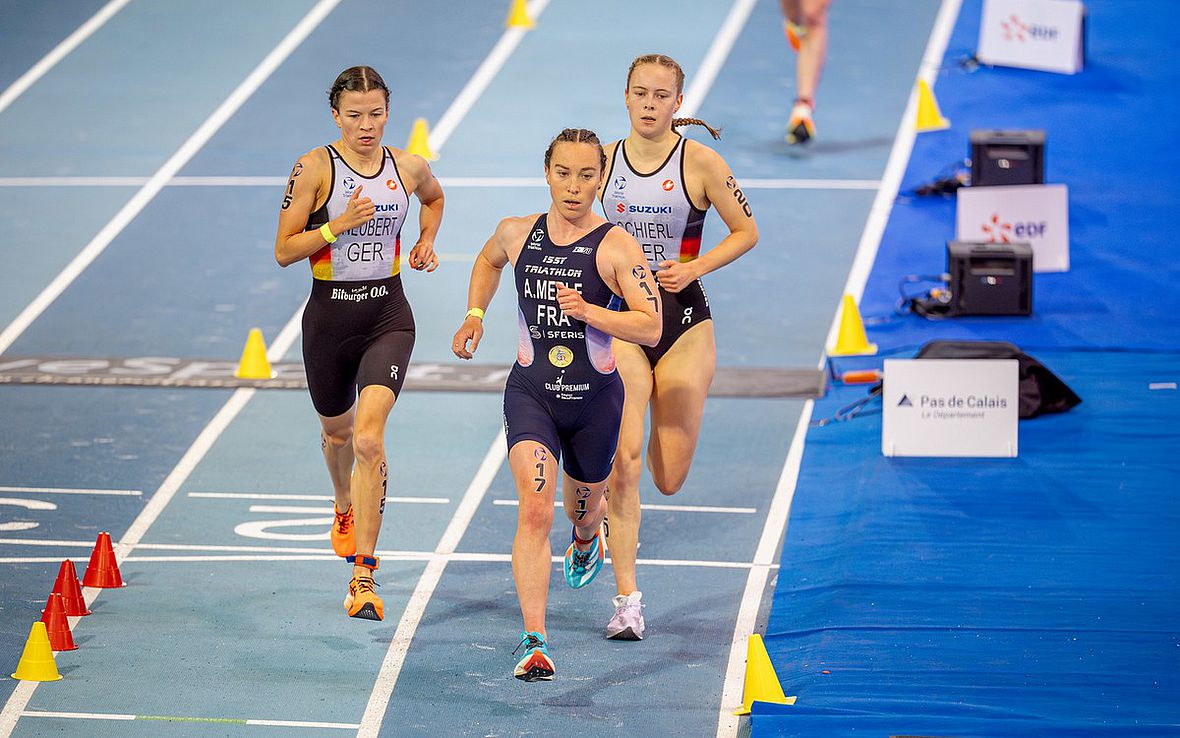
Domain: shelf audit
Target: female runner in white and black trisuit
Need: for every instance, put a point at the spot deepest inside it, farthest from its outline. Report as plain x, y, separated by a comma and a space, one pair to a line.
563, 399
658, 187
343, 211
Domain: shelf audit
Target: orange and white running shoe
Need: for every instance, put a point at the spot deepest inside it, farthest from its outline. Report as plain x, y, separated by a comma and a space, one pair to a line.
362, 602
800, 127
794, 34
343, 535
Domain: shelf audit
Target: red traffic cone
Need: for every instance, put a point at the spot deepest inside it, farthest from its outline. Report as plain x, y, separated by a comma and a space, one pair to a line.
57, 624
70, 589
103, 569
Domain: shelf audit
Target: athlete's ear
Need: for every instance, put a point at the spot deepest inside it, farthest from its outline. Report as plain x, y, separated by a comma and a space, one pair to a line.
679, 99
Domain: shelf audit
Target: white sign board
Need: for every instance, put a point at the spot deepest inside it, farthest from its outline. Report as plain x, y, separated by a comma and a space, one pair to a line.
1033, 214
950, 407
1033, 34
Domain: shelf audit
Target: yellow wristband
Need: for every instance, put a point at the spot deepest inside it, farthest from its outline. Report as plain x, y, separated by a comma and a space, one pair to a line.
476, 312
326, 232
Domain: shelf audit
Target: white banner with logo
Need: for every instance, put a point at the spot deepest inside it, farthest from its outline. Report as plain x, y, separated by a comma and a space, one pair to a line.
950, 407
1033, 34
1033, 214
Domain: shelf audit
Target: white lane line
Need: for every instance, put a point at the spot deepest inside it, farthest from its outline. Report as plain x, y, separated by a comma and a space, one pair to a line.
18, 700
70, 491
59, 52
776, 519
310, 498
386, 556
479, 81
756, 183
178, 719
810, 184
667, 508
400, 644
723, 42
899, 156
169, 170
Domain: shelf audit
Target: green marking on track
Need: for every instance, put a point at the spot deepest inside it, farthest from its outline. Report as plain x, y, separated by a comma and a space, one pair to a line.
175, 719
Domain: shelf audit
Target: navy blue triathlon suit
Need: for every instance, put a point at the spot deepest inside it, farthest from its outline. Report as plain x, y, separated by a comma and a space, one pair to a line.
357, 328
563, 391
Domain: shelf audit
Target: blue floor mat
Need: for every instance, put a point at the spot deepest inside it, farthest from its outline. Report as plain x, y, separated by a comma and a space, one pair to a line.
1111, 133
964, 597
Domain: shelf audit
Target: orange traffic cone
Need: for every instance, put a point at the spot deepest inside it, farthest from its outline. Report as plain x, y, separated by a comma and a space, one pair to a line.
57, 624
70, 589
103, 569
36, 662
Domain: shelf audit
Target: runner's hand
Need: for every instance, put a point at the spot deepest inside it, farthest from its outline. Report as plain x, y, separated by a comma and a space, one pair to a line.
571, 303
674, 276
422, 256
360, 210
471, 331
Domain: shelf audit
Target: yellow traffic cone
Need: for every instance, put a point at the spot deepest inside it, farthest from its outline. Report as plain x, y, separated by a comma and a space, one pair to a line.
254, 364
851, 340
761, 681
420, 141
518, 15
929, 116
36, 663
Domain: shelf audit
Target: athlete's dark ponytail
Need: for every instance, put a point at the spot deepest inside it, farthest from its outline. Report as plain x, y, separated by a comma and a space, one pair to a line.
356, 79
715, 132
577, 135
669, 63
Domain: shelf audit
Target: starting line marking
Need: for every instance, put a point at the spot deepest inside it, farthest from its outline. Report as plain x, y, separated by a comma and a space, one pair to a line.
427, 556
68, 491
182, 719
308, 498
667, 508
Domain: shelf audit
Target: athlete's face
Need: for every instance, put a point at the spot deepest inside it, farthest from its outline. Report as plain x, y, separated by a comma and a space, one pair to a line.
652, 99
574, 174
362, 117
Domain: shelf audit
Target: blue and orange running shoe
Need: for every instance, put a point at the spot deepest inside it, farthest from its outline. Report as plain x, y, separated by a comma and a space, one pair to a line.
582, 566
535, 665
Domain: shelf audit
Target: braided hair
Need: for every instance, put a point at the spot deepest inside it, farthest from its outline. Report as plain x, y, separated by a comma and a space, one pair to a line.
356, 79
577, 135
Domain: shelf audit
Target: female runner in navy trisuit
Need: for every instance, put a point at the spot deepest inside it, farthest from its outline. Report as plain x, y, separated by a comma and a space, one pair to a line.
343, 211
563, 399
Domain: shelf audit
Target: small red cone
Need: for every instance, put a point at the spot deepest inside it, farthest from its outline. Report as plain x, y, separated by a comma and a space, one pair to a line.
57, 624
70, 589
103, 569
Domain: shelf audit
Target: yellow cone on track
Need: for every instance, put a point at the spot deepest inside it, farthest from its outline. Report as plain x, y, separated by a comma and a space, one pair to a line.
929, 116
518, 15
36, 663
761, 682
254, 364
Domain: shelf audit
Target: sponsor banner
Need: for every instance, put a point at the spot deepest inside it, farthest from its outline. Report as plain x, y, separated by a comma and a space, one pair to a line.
1034, 214
1033, 34
950, 407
